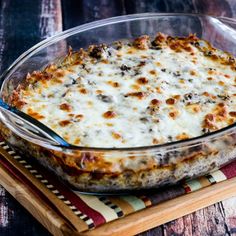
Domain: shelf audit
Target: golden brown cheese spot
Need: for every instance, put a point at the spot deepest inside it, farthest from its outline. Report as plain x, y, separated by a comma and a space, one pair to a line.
212, 56
182, 136
187, 48
77, 141
220, 111
34, 114
138, 95
59, 73
66, 137
116, 135
152, 72
38, 76
79, 117
83, 91
64, 123
221, 83
153, 108
71, 70
109, 114
181, 81
144, 56
175, 47
210, 117
65, 107
44, 83
206, 94
155, 102
221, 104
174, 114
230, 121
98, 91
15, 99
170, 101
232, 113
155, 141
131, 51
194, 108
142, 63
135, 87
57, 81
142, 80
105, 61
212, 96
37, 116
209, 122
142, 42
160, 38
113, 84
51, 68
158, 90
177, 97
192, 72
26, 92
178, 44
211, 72
209, 78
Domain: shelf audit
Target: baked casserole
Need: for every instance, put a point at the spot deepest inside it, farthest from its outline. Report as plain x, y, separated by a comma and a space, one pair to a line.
145, 92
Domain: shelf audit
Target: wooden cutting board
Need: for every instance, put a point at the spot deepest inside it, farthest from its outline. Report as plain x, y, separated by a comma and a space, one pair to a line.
42, 205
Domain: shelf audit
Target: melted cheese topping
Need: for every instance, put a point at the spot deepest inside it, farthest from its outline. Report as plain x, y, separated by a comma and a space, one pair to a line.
135, 94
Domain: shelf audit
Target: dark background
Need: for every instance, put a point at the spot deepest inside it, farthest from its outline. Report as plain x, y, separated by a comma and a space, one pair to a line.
24, 23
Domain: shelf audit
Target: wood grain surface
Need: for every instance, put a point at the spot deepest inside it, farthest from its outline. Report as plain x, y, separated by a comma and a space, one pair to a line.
25, 22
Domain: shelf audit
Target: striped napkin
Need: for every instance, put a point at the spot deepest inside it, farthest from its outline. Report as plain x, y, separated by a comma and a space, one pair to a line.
92, 211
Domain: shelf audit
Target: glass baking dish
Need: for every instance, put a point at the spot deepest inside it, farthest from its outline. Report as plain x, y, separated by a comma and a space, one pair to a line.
119, 170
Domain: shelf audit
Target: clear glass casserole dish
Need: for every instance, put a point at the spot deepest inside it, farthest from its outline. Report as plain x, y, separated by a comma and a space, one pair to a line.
117, 170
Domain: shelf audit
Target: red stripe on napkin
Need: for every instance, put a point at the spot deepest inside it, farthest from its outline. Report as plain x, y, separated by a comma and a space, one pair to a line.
229, 170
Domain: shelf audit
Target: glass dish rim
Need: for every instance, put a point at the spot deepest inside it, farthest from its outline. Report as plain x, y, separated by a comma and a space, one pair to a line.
99, 23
